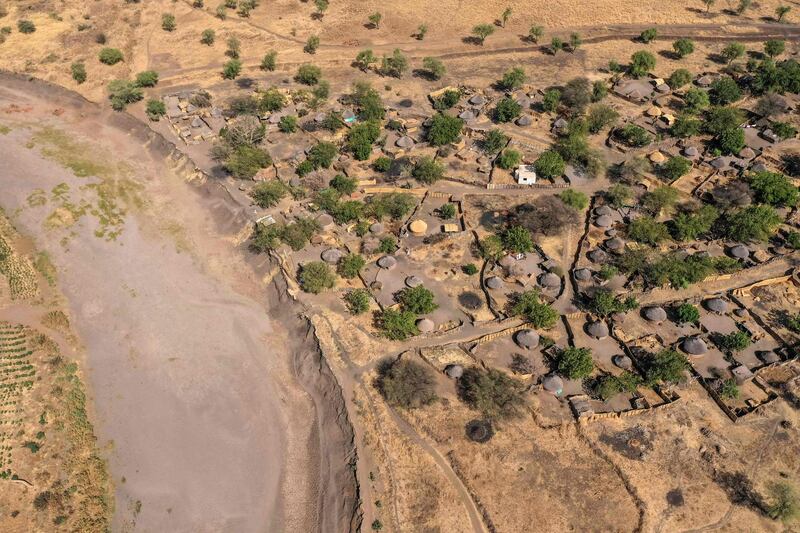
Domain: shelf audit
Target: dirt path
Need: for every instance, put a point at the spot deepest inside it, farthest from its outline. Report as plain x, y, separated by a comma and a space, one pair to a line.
195, 394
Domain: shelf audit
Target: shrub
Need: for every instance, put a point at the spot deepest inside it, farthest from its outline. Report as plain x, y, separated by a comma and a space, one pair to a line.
311, 45
494, 141
509, 159
322, 154
407, 384
447, 211
753, 223
634, 135
482, 31
549, 165
517, 239
575, 363
382, 164
78, 70
26, 26
685, 126
394, 65
551, 100
208, 37
724, 91
784, 505
599, 90
687, 314
575, 199
357, 301
168, 22
689, 226
346, 186
618, 195
469, 269
288, 124
394, 205
444, 129
417, 300
397, 325
147, 78
316, 276
774, 47
110, 56
649, 35
350, 265
447, 100
387, 245
231, 69
155, 109
269, 193
528, 306
269, 61
784, 130
434, 67
609, 386
599, 117
660, 200
492, 392
122, 93
696, 100
507, 110
733, 342
308, 74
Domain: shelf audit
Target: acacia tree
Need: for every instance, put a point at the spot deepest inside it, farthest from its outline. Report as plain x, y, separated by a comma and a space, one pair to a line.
732, 51
375, 20
482, 31
506, 15
708, 4
534, 33
781, 12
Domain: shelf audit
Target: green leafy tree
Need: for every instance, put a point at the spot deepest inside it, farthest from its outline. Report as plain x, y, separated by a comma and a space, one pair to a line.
549, 165
427, 170
492, 248
509, 159
642, 62
269, 193
647, 230
123, 92
512, 79
687, 314
729, 389
434, 67
507, 110
344, 185
732, 52
649, 35
357, 301
492, 392
312, 43
350, 265
556, 45
418, 300
26, 26
667, 366
774, 189
604, 303
322, 6
394, 65
422, 31
683, 47
482, 31
753, 223
733, 342
208, 37
575, 363
168, 22
447, 211
724, 91
696, 100
361, 137
731, 141
619, 195
155, 109
774, 47
721, 119
781, 12
444, 129
660, 200
494, 141
634, 135
316, 276
245, 161
609, 386
708, 4
528, 305
675, 167
322, 154
575, 199
690, 226
231, 69
288, 124
679, 78
148, 78
308, 74
574, 42
505, 16
397, 325
517, 239
599, 90
599, 117
408, 384
551, 100
686, 126
784, 504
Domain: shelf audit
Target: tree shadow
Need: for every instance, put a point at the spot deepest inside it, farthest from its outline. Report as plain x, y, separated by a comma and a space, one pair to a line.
245, 83
669, 54
717, 58
471, 39
423, 74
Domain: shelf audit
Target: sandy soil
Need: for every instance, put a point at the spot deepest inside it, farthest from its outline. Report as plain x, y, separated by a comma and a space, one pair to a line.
192, 381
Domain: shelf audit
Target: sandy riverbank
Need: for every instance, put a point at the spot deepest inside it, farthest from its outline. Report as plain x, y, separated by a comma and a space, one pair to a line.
200, 377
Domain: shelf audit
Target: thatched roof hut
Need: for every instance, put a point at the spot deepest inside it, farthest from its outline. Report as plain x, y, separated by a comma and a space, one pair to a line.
583, 274
717, 305
418, 227
331, 255
549, 280
454, 371
615, 244
603, 210
387, 262
376, 228
425, 325
413, 281
740, 251
622, 361
603, 221
527, 338
597, 329
553, 384
325, 220
597, 256
694, 345
655, 314
494, 283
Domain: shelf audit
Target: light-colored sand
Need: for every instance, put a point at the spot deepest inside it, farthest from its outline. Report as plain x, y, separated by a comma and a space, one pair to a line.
190, 378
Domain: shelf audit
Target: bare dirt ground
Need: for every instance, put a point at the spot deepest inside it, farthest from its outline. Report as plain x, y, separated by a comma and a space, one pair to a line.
208, 428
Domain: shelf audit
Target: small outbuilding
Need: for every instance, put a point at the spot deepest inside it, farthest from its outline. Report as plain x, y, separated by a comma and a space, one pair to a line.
525, 175
454, 371
425, 325
418, 227
549, 280
413, 281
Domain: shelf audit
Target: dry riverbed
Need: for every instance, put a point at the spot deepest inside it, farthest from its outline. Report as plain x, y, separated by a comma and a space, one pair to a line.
195, 386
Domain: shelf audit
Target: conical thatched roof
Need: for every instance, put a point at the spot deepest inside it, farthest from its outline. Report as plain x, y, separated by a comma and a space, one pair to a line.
413, 281
507, 261
477, 100
615, 244
622, 361
603, 210
527, 338
603, 221
524, 120
387, 262
653, 112
717, 305
657, 157
324, 220
454, 371
694, 346
418, 227
770, 357
425, 325
467, 115
553, 383
376, 227
691, 151
747, 153
405, 142
655, 314
331, 255
597, 329
597, 256
618, 317
494, 283
740, 251
583, 274
549, 280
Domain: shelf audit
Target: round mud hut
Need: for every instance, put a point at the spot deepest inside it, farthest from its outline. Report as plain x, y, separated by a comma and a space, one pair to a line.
694, 346
527, 338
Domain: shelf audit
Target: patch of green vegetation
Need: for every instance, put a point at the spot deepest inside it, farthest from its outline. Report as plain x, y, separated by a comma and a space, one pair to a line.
4, 130
45, 267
